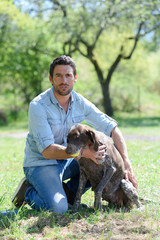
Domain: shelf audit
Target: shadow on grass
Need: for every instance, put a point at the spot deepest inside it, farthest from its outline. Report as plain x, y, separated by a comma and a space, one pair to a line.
36, 221
139, 121
52, 220
13, 215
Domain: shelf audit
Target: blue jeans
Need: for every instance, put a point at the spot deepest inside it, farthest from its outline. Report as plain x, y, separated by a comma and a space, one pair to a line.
47, 192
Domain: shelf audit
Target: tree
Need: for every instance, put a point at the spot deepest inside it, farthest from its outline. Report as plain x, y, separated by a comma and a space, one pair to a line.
22, 66
80, 24
141, 17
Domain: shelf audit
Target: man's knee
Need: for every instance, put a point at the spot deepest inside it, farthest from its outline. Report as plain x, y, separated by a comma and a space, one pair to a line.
58, 204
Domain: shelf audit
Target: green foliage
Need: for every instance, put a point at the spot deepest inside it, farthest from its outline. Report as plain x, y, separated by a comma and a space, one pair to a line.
22, 65
28, 43
94, 19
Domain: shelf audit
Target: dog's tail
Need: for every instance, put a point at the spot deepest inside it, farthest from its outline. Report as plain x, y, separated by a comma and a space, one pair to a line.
148, 200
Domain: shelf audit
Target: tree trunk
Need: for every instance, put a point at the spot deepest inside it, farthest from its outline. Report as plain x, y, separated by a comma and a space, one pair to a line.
105, 87
106, 99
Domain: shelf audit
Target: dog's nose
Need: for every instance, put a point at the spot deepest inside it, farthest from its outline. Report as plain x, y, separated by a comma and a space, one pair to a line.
69, 150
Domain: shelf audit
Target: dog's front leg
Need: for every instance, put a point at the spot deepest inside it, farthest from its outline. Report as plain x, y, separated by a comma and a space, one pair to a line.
82, 183
108, 173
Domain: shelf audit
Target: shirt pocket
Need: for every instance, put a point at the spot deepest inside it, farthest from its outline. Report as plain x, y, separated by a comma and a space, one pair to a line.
78, 119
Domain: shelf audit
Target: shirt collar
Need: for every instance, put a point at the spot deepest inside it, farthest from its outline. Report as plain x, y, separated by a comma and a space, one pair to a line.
52, 97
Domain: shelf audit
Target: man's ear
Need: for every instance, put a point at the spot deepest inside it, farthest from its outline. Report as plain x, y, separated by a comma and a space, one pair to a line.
93, 139
75, 78
50, 79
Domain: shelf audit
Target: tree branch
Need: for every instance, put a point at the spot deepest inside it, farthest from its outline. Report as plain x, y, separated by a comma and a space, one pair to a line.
70, 44
62, 7
113, 68
48, 53
150, 30
42, 10
136, 38
97, 37
120, 56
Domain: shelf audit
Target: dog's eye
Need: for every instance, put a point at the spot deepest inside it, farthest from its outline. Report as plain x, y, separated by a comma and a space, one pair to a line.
75, 136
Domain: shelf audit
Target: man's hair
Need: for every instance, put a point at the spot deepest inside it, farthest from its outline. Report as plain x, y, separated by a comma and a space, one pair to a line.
62, 60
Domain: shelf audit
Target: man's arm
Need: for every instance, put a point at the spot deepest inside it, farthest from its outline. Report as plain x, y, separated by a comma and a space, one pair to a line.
122, 148
56, 151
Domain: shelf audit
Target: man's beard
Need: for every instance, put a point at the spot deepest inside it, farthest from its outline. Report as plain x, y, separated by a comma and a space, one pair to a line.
62, 93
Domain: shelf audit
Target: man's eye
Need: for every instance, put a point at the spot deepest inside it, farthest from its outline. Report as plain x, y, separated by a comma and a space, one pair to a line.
69, 75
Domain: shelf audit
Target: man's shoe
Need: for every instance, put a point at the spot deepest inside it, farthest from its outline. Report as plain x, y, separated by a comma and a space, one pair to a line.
19, 196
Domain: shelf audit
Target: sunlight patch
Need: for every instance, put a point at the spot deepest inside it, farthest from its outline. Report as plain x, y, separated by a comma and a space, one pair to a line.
58, 197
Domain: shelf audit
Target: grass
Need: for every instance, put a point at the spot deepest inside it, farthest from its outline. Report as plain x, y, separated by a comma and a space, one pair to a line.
86, 224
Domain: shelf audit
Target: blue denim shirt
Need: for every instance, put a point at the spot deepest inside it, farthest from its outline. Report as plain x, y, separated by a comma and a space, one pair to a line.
49, 124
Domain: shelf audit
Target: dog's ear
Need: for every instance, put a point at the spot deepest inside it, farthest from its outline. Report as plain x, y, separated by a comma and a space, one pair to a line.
93, 139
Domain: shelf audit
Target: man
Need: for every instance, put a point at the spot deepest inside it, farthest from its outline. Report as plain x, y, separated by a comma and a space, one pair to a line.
46, 164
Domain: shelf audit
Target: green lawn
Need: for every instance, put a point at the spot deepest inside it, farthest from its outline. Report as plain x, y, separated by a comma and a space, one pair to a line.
86, 224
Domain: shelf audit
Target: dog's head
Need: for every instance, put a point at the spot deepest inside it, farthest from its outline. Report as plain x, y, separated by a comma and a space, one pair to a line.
79, 137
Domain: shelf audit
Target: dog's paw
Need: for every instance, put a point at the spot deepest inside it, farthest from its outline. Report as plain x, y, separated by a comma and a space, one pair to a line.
75, 207
98, 206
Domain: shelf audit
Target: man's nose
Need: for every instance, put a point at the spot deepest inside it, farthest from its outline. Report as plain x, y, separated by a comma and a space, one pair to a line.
64, 79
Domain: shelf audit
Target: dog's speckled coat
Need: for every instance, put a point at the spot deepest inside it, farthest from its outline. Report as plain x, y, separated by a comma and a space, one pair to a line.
107, 179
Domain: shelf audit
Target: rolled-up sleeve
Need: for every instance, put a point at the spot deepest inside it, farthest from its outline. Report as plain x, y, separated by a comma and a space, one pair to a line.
99, 120
39, 127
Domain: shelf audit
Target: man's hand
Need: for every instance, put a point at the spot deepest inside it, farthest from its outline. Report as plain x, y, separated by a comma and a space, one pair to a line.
89, 152
129, 175
122, 148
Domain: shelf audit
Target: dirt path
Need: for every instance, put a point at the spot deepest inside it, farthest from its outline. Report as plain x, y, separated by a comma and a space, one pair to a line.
14, 135
127, 137
142, 138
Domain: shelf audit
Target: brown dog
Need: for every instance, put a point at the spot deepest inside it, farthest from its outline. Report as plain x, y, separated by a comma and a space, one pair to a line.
107, 179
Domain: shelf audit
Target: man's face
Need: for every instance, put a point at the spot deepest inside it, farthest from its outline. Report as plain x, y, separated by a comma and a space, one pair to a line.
63, 79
